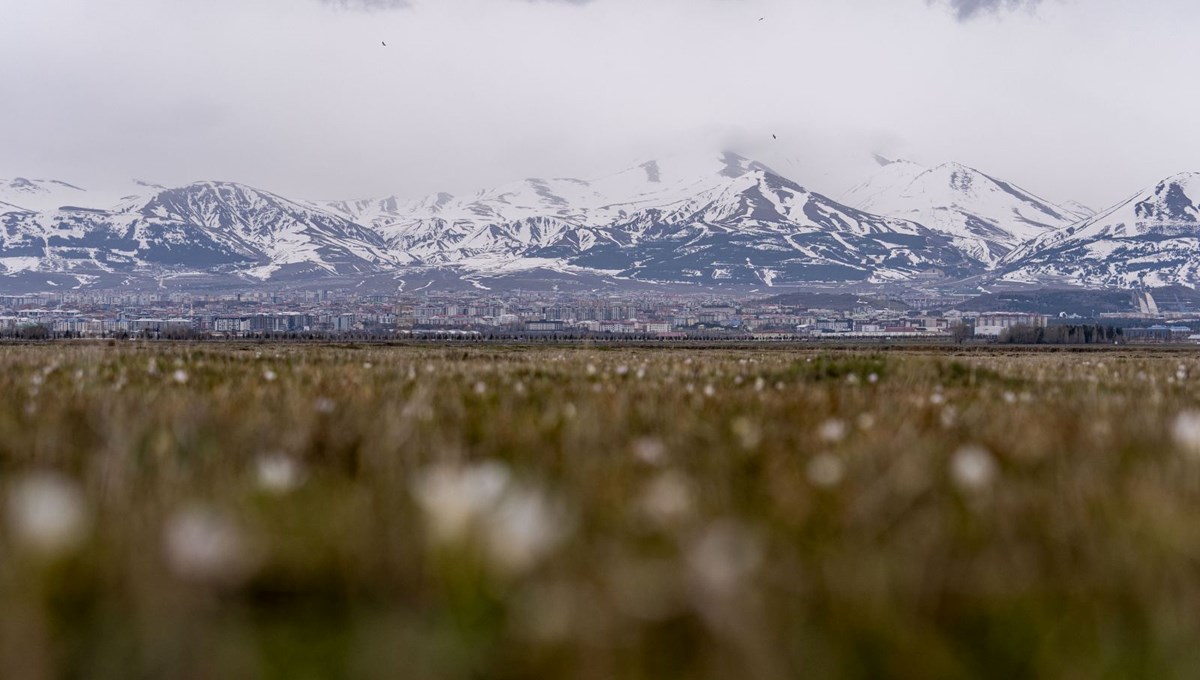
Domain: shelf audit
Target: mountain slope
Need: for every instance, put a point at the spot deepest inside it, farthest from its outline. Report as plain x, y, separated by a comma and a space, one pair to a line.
985, 217
707, 218
1151, 239
206, 226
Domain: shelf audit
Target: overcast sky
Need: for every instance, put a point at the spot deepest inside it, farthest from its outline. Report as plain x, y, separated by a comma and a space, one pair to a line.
1073, 99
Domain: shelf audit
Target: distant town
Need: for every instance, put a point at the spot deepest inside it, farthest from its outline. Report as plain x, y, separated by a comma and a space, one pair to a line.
798, 316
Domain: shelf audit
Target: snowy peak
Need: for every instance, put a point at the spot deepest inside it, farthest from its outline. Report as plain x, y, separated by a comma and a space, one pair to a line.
40, 194
985, 216
891, 176
1152, 238
1176, 199
45, 195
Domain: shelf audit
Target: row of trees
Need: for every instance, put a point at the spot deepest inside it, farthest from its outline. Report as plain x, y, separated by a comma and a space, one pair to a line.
1062, 335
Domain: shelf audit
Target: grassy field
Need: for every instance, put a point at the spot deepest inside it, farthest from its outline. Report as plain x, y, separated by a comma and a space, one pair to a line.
260, 511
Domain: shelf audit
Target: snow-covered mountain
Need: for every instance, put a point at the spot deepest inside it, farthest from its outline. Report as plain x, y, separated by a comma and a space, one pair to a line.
707, 219
206, 226
1078, 210
687, 219
44, 195
1151, 239
984, 216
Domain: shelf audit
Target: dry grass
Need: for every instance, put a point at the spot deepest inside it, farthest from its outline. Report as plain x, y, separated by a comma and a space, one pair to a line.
173, 511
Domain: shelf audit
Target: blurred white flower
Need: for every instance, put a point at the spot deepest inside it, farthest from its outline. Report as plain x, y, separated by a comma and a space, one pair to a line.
723, 558
524, 528
873, 378
368, 365
949, 417
278, 473
748, 432
866, 421
517, 525
1186, 432
453, 498
481, 387
622, 370
937, 398
650, 450
204, 546
269, 375
180, 376
667, 499
47, 513
832, 431
709, 391
324, 405
973, 467
826, 471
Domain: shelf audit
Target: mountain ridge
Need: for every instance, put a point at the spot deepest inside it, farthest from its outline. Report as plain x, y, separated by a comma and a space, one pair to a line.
706, 219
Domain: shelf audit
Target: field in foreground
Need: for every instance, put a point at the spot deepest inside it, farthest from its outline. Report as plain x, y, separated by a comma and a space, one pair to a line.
321, 512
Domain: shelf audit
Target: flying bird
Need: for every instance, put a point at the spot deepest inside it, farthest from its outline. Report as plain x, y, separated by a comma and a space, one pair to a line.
385, 44
774, 137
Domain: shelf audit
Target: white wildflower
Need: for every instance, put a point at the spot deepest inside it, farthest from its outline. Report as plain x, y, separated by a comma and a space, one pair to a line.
205, 546
832, 431
667, 499
269, 375
723, 558
47, 513
180, 376
324, 405
517, 525
278, 473
524, 529
1186, 432
481, 388
826, 471
973, 467
949, 417
650, 450
454, 498
749, 434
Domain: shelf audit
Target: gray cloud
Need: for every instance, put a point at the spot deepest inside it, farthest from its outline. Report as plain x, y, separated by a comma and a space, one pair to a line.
966, 10
302, 99
367, 5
